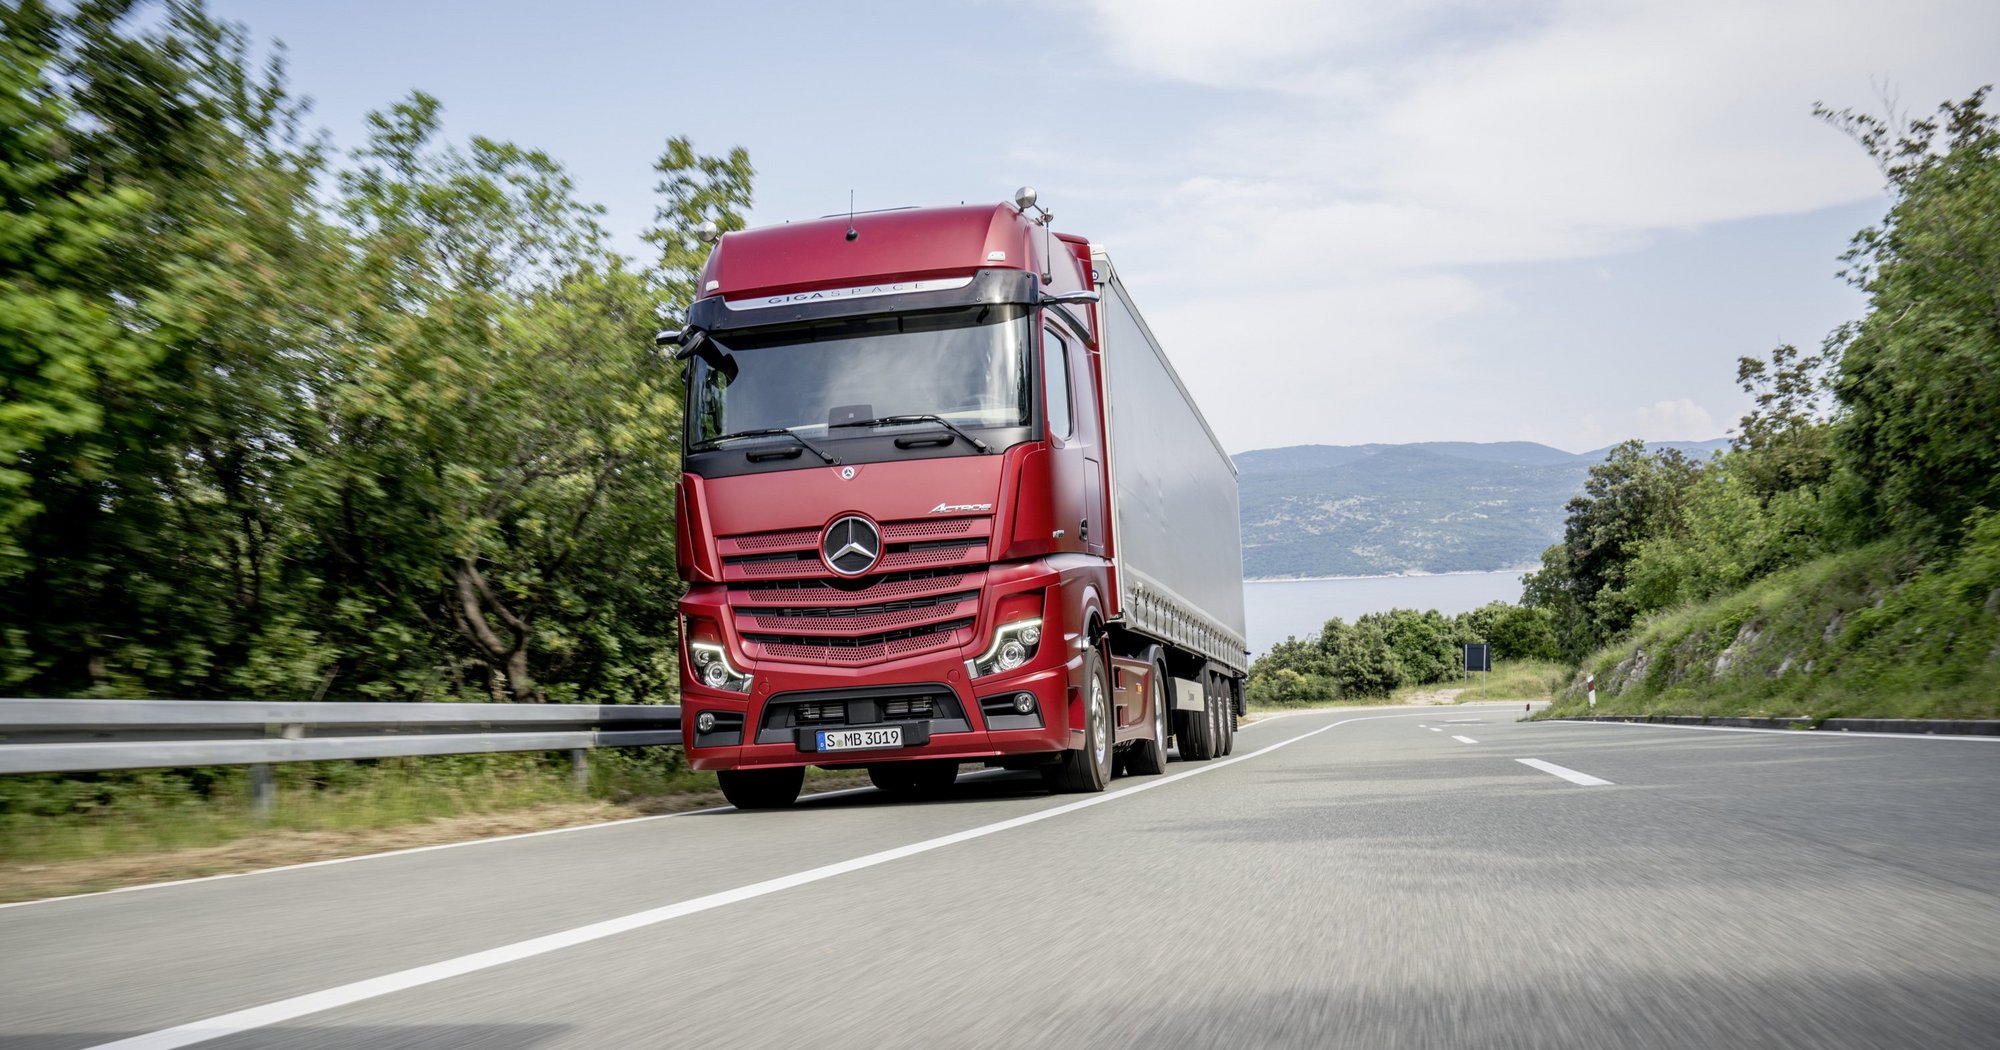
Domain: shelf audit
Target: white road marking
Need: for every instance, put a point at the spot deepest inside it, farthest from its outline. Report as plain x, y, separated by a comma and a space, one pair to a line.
317, 1002
483, 841
1436, 729
1570, 775
1465, 740
409, 850
1801, 734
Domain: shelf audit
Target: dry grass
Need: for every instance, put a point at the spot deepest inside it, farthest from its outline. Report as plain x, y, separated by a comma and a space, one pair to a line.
277, 847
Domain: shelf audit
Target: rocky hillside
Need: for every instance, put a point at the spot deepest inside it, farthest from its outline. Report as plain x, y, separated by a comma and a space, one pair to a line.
1364, 510
1871, 632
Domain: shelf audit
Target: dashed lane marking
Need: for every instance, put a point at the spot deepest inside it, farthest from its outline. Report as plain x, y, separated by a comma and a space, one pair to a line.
1564, 772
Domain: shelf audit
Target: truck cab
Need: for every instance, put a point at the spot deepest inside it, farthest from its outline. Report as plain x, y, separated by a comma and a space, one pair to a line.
894, 512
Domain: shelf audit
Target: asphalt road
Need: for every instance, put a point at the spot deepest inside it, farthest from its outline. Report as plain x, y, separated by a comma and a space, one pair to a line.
1373, 878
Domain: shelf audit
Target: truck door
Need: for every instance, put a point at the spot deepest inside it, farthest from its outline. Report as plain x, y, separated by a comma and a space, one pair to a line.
1071, 472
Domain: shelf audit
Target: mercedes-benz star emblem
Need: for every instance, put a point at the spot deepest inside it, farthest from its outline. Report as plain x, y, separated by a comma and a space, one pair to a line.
851, 545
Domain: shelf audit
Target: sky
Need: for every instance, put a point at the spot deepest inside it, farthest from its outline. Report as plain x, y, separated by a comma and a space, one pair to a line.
1347, 222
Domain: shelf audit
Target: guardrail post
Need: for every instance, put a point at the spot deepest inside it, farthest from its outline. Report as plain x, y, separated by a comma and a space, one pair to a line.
263, 790
579, 770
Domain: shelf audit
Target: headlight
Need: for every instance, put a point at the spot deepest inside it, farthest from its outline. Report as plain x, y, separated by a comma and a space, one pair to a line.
708, 662
1014, 644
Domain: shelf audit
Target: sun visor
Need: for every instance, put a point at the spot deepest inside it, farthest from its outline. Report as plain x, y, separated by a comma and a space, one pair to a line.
994, 287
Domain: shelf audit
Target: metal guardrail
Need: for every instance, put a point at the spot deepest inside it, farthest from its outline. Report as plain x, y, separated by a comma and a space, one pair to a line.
73, 736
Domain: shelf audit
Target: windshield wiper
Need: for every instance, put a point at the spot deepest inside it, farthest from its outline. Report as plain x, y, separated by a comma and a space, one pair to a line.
887, 421
766, 432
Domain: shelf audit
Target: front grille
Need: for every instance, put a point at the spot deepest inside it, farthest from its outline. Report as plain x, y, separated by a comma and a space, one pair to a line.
826, 620
922, 595
840, 592
918, 544
816, 714
895, 709
860, 649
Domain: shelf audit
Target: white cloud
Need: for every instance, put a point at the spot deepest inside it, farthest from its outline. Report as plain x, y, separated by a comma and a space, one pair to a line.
1447, 135
1677, 420
1356, 170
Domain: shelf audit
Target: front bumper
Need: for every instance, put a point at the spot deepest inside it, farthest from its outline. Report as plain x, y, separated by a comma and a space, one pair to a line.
777, 724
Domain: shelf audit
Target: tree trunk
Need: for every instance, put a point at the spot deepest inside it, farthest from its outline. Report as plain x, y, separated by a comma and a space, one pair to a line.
507, 656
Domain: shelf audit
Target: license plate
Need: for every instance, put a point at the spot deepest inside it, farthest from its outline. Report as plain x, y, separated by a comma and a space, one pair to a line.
860, 739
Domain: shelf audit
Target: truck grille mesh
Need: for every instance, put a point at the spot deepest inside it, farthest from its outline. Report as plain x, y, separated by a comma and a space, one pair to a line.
861, 649
831, 592
825, 620
922, 596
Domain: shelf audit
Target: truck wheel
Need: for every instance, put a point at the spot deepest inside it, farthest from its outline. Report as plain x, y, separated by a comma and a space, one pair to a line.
1196, 732
1227, 724
762, 788
926, 778
1149, 757
1088, 769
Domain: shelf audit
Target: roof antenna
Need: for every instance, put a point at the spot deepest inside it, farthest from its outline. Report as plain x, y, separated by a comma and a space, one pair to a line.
851, 231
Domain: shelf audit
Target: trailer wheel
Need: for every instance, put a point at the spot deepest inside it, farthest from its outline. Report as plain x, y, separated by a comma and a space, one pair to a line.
1088, 769
1149, 757
926, 778
762, 788
1196, 732
1226, 724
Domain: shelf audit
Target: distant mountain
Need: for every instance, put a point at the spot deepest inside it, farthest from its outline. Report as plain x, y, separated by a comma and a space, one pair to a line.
1433, 506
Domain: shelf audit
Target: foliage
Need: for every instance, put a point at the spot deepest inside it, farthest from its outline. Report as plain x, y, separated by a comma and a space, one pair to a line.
1384, 651
1843, 556
693, 189
1877, 631
1630, 497
399, 434
1920, 441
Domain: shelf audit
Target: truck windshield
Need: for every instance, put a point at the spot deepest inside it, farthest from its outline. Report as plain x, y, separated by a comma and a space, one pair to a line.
968, 366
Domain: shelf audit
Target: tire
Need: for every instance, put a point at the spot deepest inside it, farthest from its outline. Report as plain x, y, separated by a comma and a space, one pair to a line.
1088, 769
924, 778
762, 788
1149, 757
1226, 710
1196, 732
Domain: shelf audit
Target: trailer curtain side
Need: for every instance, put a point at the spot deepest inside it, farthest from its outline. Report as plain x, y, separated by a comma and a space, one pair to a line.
1179, 544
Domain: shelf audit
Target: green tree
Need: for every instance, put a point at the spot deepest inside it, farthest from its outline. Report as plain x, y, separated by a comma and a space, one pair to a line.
1522, 633
1628, 499
505, 436
694, 189
1424, 644
149, 547
1363, 664
1919, 446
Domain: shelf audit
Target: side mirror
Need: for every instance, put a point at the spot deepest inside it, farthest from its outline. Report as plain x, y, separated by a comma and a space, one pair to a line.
1070, 297
667, 337
696, 343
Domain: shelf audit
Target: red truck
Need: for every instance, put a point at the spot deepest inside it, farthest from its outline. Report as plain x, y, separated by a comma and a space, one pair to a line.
944, 500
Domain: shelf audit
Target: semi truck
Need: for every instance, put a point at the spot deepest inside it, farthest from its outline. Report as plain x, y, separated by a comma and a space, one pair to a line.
944, 500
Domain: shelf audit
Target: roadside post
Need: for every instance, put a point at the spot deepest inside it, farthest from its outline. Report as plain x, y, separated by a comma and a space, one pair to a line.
1590, 683
1478, 657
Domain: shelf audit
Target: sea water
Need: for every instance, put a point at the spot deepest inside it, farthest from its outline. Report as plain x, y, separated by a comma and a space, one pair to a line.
1278, 608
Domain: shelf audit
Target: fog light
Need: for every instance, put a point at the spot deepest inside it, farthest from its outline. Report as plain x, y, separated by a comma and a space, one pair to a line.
714, 674
1024, 703
705, 722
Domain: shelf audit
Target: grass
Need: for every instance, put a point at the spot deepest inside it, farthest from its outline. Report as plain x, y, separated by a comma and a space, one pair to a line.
81, 833
1509, 680
1519, 680
1868, 633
